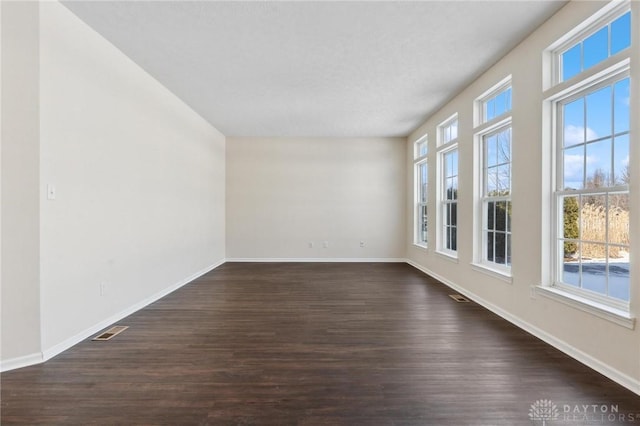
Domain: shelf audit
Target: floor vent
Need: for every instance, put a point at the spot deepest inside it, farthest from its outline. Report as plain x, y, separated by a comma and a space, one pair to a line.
459, 298
112, 332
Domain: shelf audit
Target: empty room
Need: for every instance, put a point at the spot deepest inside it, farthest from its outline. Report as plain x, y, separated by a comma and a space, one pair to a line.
320, 212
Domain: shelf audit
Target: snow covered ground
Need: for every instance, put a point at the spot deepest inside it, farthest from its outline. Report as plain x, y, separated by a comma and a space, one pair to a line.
594, 276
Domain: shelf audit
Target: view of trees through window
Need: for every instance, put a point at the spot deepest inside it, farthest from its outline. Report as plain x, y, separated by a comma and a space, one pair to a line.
594, 180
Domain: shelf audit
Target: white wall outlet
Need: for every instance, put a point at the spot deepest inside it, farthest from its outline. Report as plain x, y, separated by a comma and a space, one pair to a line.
362, 244
103, 289
310, 244
51, 192
325, 244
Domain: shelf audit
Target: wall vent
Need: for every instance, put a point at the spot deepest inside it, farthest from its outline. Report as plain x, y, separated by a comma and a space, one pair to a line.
459, 298
111, 333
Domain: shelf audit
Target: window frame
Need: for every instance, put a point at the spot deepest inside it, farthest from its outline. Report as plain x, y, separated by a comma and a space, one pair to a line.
578, 91
446, 147
420, 159
482, 258
607, 72
580, 33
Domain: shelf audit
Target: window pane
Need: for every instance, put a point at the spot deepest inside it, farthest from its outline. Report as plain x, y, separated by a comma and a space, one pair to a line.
618, 225
490, 246
454, 130
454, 238
454, 214
454, 163
571, 231
490, 109
594, 267
571, 62
619, 282
599, 113
491, 206
491, 143
574, 131
504, 146
500, 248
423, 182
573, 165
571, 271
598, 164
423, 223
492, 182
508, 99
596, 48
504, 179
621, 33
621, 106
501, 216
509, 250
508, 204
593, 218
621, 160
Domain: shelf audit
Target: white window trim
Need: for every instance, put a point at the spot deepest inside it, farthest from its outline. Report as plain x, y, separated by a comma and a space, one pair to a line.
604, 16
440, 238
480, 242
556, 91
442, 126
617, 316
479, 113
483, 128
417, 204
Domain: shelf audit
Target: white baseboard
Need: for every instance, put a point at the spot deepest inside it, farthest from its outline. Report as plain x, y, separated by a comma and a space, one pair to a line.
49, 353
617, 376
318, 259
21, 361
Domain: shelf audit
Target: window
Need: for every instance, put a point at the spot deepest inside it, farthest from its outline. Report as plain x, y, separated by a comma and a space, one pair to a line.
592, 139
496, 197
498, 102
493, 221
450, 201
448, 131
421, 184
595, 46
448, 187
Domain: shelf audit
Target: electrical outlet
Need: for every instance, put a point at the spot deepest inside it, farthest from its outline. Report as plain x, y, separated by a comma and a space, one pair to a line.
325, 244
310, 244
362, 244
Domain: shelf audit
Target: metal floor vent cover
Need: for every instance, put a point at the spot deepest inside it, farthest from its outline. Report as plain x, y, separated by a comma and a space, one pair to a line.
459, 298
111, 333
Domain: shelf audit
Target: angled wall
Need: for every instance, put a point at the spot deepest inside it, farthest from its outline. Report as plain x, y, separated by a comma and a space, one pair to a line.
607, 346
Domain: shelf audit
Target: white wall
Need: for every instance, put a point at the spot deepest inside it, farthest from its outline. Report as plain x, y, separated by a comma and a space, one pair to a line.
140, 184
284, 193
604, 345
20, 176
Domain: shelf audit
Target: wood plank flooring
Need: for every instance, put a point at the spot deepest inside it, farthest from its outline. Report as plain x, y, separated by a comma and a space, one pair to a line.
310, 344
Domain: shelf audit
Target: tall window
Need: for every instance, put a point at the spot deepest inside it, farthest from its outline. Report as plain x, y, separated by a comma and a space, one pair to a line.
494, 158
592, 177
421, 185
448, 193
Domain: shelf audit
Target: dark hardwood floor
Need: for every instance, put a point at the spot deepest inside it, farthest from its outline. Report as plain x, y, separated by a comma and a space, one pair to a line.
311, 344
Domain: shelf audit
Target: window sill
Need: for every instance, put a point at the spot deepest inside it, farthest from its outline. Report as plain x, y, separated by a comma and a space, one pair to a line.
421, 246
600, 310
492, 272
447, 256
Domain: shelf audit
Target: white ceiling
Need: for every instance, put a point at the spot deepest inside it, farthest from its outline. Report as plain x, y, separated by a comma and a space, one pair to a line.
315, 69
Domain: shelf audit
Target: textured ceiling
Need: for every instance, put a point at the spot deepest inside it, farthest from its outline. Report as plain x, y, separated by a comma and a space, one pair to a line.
316, 69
